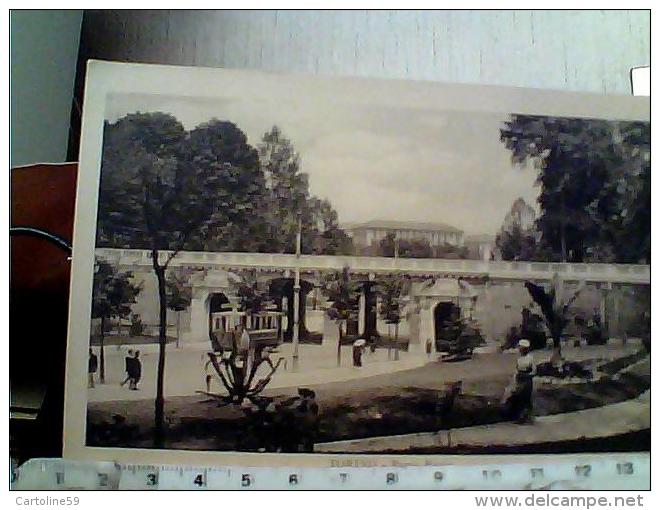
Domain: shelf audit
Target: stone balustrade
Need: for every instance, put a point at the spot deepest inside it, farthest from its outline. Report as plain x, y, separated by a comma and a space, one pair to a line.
494, 270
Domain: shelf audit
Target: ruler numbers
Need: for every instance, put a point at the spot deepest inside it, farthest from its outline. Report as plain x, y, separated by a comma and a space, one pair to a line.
583, 470
492, 474
200, 480
247, 480
625, 468
536, 472
592, 472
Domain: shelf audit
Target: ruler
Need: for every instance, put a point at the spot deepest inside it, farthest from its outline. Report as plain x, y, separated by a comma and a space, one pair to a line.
629, 471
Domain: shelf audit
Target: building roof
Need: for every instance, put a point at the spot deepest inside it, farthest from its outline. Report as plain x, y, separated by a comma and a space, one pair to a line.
403, 225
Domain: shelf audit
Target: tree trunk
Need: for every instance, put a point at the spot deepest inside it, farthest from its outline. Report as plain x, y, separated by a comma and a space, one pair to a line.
562, 230
396, 341
339, 345
162, 343
178, 327
389, 342
102, 343
557, 344
556, 339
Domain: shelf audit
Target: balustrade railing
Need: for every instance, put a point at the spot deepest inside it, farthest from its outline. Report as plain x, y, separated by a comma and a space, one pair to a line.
514, 270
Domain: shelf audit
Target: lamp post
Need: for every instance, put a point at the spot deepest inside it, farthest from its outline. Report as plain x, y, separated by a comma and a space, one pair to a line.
296, 299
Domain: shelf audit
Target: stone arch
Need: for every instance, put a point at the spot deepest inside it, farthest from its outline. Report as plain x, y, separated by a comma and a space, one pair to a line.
207, 284
443, 313
283, 288
428, 294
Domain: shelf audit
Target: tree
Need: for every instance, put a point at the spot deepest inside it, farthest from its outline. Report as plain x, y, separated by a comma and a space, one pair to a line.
517, 238
165, 190
344, 293
220, 148
555, 304
517, 244
253, 295
237, 368
237, 371
179, 297
331, 239
288, 201
418, 248
595, 184
451, 251
112, 297
287, 192
625, 210
392, 291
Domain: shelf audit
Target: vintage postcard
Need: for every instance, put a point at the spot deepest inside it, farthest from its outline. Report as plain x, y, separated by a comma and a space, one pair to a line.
279, 269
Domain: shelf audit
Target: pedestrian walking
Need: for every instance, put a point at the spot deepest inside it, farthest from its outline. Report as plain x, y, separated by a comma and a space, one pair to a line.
358, 349
136, 368
128, 363
92, 367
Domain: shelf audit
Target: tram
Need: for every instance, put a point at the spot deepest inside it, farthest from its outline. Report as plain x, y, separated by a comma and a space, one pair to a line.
264, 328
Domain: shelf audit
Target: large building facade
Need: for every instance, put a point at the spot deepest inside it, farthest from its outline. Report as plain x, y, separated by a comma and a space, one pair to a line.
367, 236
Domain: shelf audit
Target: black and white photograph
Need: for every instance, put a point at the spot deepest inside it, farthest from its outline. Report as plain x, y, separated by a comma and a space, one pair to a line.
288, 265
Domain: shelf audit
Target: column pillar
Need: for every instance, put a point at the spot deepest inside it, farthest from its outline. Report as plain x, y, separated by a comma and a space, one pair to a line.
370, 309
615, 330
295, 331
414, 324
488, 313
426, 328
302, 311
284, 308
353, 325
199, 320
363, 311
604, 319
295, 312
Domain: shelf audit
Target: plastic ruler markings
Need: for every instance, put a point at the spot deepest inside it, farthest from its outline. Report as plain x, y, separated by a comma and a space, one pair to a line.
630, 471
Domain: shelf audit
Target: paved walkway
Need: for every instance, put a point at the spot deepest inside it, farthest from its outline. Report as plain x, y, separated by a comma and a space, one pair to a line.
185, 373
611, 420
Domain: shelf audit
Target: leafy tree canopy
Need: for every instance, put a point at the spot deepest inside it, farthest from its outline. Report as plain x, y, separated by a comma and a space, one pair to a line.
595, 184
393, 292
253, 294
179, 292
289, 202
208, 189
113, 293
344, 294
419, 248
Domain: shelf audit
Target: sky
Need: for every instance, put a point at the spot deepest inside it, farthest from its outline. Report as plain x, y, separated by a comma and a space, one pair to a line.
376, 162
